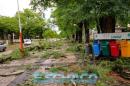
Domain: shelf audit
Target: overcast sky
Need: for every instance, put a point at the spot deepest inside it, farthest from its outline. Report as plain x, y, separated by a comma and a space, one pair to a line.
9, 7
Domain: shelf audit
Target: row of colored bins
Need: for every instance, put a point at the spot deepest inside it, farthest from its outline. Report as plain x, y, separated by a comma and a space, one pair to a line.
111, 48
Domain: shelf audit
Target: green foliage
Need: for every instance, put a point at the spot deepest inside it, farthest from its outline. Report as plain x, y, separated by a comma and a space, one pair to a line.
75, 48
53, 54
54, 70
32, 23
45, 45
121, 64
102, 69
69, 13
50, 34
8, 24
26, 52
41, 76
4, 58
59, 43
16, 54
59, 69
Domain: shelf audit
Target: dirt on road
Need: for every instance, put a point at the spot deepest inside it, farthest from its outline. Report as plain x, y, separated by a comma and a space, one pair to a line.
9, 71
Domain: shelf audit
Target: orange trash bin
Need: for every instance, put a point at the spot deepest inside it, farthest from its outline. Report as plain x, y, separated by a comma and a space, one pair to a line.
124, 45
128, 49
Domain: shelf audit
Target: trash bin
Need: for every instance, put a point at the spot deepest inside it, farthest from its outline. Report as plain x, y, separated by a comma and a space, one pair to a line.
124, 45
105, 48
128, 49
114, 49
96, 48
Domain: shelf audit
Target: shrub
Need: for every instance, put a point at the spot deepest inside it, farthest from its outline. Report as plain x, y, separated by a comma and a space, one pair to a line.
16, 54
121, 63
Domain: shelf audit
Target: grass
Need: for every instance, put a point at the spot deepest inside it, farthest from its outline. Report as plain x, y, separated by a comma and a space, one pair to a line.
59, 69
120, 64
4, 58
75, 48
16, 54
102, 69
122, 67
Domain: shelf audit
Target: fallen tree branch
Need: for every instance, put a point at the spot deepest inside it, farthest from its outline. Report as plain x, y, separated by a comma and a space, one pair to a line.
11, 74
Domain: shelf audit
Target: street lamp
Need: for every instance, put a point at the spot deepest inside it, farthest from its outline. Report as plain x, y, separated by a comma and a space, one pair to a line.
20, 30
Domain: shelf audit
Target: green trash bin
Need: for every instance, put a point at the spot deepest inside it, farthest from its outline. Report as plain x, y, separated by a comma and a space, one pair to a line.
105, 48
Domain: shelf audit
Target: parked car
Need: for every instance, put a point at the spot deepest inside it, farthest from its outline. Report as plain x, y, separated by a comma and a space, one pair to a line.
2, 46
27, 41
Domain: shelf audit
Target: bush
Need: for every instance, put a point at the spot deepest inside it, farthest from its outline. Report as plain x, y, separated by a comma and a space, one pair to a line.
121, 63
16, 54
122, 66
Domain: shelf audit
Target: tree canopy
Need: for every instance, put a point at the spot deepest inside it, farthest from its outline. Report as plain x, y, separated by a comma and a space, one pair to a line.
32, 24
70, 12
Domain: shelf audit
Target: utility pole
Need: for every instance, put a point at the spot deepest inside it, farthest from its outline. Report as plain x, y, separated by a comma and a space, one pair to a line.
20, 31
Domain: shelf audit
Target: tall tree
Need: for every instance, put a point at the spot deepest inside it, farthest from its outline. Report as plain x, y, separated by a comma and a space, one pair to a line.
8, 26
32, 23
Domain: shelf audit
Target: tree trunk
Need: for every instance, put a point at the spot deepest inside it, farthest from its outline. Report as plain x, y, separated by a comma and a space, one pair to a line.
73, 37
76, 36
1, 34
98, 26
10, 38
107, 24
87, 36
79, 32
80, 35
5, 36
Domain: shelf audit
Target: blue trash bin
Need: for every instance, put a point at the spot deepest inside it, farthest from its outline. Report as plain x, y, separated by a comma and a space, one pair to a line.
96, 48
